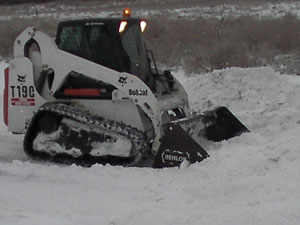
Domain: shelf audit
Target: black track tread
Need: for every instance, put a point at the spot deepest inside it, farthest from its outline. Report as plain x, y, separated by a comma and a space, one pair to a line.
136, 137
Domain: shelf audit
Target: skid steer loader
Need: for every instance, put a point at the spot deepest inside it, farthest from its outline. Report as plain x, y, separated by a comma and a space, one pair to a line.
95, 95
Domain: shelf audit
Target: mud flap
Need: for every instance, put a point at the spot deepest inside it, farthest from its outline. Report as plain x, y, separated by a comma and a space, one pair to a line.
223, 125
177, 146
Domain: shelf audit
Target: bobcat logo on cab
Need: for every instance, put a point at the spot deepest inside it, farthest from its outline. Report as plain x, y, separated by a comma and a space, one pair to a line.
21, 79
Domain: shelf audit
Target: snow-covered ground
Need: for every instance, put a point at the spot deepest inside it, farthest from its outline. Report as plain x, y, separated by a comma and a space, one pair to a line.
219, 11
250, 179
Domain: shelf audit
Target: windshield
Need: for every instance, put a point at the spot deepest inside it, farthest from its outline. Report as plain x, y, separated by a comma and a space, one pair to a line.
94, 43
102, 43
135, 49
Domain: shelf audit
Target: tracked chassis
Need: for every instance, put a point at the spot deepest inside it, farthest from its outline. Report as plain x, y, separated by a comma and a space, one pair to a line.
94, 94
63, 133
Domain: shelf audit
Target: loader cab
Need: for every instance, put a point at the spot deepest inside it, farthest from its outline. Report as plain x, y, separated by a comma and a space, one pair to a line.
113, 43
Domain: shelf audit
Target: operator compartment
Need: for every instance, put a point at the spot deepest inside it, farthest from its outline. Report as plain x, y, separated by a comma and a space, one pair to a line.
115, 43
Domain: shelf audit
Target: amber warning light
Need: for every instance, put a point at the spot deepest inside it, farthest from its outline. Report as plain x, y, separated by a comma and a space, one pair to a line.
126, 12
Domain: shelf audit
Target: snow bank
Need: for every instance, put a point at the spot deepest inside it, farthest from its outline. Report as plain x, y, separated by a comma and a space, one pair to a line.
220, 11
250, 179
263, 99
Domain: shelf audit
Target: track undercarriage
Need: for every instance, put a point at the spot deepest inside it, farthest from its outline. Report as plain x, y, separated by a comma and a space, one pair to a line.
63, 133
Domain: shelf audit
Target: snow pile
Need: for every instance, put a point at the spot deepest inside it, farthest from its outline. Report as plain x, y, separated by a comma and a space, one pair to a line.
250, 179
221, 11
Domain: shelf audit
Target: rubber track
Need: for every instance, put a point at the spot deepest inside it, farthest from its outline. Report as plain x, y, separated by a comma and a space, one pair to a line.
136, 137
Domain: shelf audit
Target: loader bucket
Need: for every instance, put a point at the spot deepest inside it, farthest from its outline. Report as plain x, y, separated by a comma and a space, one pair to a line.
216, 125
223, 125
177, 146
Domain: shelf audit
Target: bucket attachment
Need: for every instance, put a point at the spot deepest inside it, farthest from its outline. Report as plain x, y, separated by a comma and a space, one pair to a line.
217, 125
222, 125
179, 141
177, 146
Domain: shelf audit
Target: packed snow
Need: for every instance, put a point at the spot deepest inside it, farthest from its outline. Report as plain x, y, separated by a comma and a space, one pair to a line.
250, 179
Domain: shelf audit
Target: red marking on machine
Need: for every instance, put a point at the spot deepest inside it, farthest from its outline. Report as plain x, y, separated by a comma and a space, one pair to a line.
23, 101
82, 92
5, 96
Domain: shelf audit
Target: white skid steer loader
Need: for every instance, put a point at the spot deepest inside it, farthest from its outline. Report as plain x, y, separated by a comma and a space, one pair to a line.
95, 95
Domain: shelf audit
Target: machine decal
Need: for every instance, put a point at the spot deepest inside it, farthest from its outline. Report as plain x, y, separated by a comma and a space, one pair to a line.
138, 92
21, 79
23, 101
22, 95
173, 157
22, 91
122, 80
94, 23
